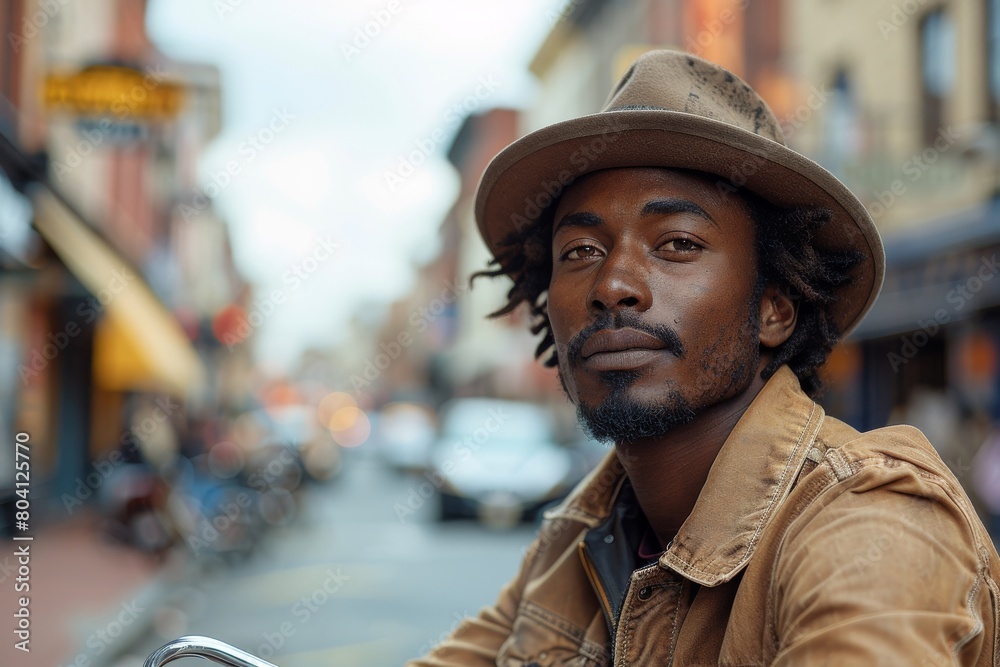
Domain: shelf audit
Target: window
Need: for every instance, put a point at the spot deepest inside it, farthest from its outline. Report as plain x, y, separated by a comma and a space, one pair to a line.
937, 69
842, 131
993, 59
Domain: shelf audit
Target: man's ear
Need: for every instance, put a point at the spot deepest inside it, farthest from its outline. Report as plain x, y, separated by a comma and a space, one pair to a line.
778, 313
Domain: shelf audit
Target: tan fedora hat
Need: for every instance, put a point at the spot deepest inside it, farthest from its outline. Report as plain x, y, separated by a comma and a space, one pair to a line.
673, 109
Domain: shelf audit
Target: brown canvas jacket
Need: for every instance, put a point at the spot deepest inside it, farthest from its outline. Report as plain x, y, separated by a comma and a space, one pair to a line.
810, 544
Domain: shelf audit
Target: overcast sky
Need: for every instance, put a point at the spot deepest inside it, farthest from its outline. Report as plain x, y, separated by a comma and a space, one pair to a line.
316, 113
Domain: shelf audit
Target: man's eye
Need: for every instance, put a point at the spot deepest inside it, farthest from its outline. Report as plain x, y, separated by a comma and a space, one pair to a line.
581, 252
681, 245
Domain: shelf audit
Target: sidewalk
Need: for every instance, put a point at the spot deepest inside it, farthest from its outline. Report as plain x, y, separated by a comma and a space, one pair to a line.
89, 599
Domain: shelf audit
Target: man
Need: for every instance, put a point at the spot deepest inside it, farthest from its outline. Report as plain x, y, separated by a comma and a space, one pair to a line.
691, 274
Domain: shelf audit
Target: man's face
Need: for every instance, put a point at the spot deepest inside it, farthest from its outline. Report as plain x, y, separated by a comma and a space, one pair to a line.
651, 299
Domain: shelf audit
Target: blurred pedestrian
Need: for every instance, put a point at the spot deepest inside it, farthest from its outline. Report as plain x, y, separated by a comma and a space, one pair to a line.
986, 478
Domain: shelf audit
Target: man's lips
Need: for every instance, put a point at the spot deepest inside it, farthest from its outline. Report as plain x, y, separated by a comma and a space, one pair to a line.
620, 340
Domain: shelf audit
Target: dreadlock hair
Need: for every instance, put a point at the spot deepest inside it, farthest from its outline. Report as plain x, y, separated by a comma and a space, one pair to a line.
810, 275
786, 257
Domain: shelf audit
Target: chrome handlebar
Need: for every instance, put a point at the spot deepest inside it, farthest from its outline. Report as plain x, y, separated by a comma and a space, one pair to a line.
203, 647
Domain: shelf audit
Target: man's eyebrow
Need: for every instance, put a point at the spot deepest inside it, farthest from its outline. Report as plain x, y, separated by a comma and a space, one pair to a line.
581, 219
671, 205
658, 206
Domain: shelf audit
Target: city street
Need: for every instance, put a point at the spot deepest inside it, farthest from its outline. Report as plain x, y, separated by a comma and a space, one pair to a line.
259, 258
348, 583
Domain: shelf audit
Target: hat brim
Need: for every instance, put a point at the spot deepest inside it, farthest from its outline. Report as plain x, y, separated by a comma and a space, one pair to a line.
530, 174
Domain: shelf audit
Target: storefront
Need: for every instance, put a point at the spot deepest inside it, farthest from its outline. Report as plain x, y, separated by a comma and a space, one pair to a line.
934, 324
137, 345
928, 351
80, 330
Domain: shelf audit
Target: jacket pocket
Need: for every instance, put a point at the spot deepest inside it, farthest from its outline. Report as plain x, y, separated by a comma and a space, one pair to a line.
541, 638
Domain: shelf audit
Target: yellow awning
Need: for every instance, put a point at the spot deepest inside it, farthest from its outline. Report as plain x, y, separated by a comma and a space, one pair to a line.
139, 345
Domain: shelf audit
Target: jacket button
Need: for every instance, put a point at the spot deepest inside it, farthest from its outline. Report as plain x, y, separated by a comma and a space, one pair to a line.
645, 593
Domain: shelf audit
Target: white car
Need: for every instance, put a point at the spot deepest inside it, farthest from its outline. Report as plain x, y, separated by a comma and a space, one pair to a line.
405, 434
498, 461
298, 427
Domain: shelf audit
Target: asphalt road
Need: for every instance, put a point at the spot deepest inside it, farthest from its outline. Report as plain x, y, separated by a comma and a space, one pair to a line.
350, 582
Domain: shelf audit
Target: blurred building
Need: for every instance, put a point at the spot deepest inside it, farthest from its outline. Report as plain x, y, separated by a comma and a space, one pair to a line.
113, 291
440, 332
908, 119
592, 42
490, 356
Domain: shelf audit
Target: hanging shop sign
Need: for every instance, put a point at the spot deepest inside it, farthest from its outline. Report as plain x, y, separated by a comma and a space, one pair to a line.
125, 94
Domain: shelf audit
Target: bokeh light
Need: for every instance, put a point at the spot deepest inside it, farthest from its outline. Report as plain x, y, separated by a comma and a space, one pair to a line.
331, 403
225, 459
350, 427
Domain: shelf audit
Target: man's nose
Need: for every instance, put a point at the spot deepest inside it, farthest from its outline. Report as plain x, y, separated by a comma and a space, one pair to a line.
620, 282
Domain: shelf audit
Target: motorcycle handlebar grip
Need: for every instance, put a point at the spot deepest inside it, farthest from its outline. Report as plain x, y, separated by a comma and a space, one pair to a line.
203, 647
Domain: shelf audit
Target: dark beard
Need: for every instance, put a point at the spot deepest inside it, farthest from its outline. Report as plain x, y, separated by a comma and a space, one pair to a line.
620, 418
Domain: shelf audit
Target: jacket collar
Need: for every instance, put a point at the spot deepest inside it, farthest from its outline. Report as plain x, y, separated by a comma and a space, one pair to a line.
751, 477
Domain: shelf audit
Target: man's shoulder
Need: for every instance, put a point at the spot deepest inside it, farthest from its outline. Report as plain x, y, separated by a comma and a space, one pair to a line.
877, 538
882, 477
847, 451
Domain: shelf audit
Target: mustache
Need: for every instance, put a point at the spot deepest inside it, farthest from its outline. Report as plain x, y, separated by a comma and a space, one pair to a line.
621, 319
